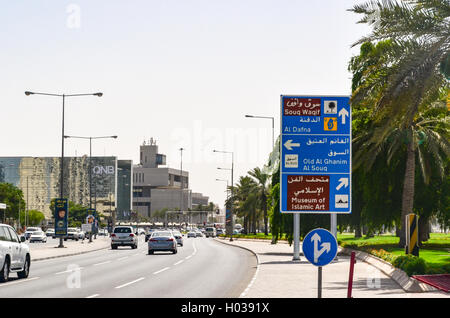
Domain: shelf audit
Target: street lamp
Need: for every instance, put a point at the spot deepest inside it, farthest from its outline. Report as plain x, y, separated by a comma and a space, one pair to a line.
28, 93
232, 186
222, 180
181, 178
273, 124
90, 165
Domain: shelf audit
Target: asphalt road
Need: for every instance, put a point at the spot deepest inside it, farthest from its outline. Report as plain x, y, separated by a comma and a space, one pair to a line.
201, 268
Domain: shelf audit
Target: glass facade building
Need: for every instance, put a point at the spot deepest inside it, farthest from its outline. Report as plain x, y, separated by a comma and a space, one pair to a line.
39, 180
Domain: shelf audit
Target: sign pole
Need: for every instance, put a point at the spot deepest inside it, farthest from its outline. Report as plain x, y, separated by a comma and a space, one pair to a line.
333, 227
296, 237
319, 282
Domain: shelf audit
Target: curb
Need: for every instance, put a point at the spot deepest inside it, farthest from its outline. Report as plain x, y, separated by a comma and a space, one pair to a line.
257, 265
407, 283
254, 240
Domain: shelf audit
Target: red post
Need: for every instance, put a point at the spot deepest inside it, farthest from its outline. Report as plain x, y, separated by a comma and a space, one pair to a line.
350, 277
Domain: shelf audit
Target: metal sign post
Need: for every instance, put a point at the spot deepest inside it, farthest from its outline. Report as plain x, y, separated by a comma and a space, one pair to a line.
320, 248
319, 282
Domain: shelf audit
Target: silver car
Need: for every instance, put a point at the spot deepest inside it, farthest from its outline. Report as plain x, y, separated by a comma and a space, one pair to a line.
14, 254
38, 236
123, 236
162, 241
179, 237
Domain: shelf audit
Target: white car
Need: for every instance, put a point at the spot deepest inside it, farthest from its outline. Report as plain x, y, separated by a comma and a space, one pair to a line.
50, 232
30, 231
123, 236
72, 234
192, 234
81, 234
14, 254
38, 236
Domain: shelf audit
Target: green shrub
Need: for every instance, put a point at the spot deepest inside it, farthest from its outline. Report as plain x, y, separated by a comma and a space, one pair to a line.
412, 265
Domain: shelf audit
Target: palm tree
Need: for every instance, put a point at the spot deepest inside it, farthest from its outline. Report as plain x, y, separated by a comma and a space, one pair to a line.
262, 180
245, 202
403, 82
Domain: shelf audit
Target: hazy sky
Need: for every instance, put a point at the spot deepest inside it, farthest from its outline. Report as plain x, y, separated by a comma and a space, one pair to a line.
184, 72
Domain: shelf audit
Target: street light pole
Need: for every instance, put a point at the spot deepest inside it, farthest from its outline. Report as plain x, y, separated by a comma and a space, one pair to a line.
90, 167
273, 125
232, 186
181, 180
28, 93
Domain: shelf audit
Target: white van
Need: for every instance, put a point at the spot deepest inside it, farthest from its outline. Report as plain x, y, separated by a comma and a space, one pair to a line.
210, 232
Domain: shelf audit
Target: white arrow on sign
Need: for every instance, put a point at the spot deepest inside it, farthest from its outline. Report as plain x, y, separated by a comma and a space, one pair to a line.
343, 112
289, 144
343, 182
326, 247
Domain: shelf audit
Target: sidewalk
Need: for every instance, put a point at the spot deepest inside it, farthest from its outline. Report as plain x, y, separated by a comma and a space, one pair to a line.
278, 276
50, 250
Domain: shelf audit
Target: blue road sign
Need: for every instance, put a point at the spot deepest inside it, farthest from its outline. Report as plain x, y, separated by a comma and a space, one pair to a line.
316, 154
320, 247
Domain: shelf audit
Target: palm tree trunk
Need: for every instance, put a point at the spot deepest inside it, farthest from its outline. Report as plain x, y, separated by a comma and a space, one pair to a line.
408, 190
265, 217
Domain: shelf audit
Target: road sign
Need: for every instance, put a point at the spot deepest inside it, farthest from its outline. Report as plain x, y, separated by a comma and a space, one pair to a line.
86, 228
316, 154
412, 234
320, 247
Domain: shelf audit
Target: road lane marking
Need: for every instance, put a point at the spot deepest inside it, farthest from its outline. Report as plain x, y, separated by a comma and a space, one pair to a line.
127, 284
19, 281
195, 249
162, 270
188, 257
122, 258
178, 263
102, 263
93, 296
71, 270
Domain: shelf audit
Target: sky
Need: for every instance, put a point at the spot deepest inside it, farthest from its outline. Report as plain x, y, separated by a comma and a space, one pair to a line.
183, 72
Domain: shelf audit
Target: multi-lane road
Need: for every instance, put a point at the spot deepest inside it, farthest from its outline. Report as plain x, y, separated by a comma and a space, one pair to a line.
201, 268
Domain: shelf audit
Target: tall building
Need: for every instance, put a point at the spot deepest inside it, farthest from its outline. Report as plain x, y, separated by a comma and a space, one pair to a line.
156, 188
39, 180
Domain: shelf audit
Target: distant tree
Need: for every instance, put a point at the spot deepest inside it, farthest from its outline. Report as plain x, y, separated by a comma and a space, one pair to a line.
13, 198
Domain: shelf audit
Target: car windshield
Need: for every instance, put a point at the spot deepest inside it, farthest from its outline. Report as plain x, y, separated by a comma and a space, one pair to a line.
122, 230
38, 233
161, 234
